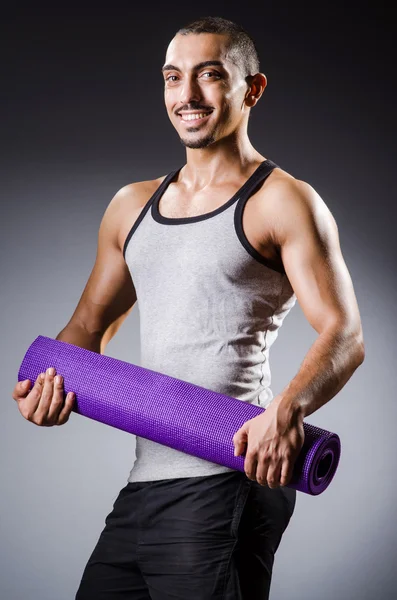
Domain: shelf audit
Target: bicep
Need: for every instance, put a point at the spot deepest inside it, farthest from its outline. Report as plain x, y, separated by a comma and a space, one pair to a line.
313, 261
109, 294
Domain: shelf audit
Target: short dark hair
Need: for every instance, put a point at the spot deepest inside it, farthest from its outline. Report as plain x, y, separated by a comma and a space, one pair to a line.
241, 49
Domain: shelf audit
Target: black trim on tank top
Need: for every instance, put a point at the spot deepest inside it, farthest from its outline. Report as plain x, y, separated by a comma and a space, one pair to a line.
241, 197
157, 216
256, 182
160, 190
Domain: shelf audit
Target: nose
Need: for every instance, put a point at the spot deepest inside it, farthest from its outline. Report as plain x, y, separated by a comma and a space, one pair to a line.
190, 91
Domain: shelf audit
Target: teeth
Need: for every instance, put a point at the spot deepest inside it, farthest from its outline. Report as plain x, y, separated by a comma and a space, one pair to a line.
196, 116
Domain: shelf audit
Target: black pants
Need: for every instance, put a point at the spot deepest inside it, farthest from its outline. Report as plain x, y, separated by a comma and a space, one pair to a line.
195, 538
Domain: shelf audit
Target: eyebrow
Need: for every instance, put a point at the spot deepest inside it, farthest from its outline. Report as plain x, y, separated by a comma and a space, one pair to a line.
201, 65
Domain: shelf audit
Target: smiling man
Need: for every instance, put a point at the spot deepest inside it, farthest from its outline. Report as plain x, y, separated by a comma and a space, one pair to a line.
217, 252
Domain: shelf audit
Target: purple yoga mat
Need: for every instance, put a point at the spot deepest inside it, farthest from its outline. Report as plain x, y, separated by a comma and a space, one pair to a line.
170, 411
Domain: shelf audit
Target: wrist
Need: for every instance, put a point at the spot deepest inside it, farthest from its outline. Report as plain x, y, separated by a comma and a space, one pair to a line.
290, 407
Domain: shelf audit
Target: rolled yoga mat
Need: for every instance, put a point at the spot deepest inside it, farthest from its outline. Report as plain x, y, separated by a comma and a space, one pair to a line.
170, 411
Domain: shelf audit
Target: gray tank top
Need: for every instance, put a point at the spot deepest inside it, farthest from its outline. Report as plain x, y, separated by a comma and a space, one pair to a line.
210, 308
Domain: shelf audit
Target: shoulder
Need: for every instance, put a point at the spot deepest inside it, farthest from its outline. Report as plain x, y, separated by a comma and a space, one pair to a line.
136, 194
125, 207
294, 203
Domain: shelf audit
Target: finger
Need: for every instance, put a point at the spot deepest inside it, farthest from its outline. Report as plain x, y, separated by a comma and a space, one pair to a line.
262, 469
240, 439
28, 405
57, 400
67, 409
273, 475
240, 448
286, 471
41, 413
250, 464
21, 389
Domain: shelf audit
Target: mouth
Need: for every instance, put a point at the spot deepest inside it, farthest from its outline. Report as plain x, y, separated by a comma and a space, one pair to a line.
194, 119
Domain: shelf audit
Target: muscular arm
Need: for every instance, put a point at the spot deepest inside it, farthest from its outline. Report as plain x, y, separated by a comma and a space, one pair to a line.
109, 294
307, 235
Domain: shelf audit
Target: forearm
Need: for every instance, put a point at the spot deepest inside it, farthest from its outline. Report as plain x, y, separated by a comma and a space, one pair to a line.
74, 334
326, 368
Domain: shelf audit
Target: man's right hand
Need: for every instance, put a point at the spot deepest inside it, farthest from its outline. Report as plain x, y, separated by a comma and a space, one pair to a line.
44, 404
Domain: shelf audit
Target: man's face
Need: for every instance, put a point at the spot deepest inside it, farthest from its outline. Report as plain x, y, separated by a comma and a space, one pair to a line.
191, 87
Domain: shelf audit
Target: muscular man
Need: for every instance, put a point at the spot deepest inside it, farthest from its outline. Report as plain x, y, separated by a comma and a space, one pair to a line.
217, 252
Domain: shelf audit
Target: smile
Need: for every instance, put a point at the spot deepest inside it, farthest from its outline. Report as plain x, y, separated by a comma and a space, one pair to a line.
194, 118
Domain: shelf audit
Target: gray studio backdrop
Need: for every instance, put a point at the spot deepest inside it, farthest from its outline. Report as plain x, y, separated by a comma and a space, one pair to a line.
70, 146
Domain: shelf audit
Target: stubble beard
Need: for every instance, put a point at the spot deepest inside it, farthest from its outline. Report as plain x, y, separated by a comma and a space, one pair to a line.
202, 142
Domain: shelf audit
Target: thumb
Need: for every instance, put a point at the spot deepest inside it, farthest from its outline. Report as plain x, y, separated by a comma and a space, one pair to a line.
240, 439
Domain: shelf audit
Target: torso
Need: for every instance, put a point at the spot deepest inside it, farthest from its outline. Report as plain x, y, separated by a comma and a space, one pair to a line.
175, 203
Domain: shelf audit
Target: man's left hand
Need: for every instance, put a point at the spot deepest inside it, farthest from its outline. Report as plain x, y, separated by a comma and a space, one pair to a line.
273, 441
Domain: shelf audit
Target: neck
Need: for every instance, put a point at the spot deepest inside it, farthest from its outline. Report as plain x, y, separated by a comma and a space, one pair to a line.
218, 162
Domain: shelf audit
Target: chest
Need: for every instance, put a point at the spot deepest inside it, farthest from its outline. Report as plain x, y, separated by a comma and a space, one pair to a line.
256, 219
258, 230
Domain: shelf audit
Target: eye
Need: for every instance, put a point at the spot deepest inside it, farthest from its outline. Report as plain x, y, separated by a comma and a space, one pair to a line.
211, 73
215, 74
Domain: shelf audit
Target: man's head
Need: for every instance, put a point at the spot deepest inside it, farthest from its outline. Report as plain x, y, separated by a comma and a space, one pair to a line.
211, 65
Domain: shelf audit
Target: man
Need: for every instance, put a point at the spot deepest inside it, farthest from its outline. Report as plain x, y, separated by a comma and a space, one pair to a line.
217, 252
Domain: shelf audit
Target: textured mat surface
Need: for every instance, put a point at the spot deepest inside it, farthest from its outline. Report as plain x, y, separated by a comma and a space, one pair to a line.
169, 411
